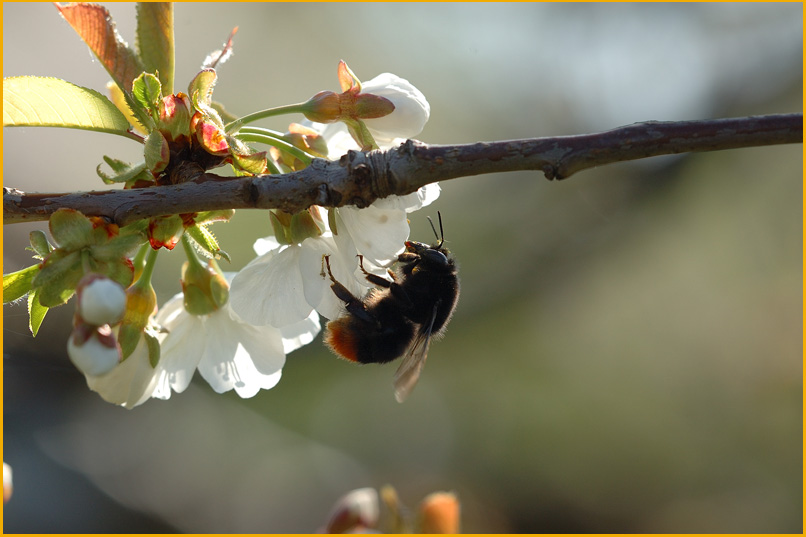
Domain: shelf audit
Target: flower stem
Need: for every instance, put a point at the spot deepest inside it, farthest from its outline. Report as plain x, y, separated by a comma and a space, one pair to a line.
190, 252
272, 138
232, 127
148, 269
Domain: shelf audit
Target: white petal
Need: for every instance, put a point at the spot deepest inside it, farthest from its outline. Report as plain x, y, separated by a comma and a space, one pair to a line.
410, 202
411, 108
180, 353
378, 233
299, 334
240, 356
265, 245
339, 141
312, 267
171, 312
269, 290
318, 292
131, 383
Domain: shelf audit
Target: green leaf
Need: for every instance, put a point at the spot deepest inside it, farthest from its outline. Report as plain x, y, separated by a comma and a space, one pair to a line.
157, 152
70, 229
200, 90
17, 284
206, 217
147, 91
206, 241
155, 40
121, 101
120, 270
34, 101
95, 26
39, 243
254, 163
124, 172
56, 281
117, 247
128, 337
36, 312
153, 348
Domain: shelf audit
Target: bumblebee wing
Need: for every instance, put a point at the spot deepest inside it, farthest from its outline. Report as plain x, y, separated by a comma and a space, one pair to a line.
408, 373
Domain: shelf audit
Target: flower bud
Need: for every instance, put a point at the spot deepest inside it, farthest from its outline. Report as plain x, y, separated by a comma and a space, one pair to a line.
100, 300
205, 288
175, 114
293, 229
7, 482
141, 304
130, 383
439, 513
324, 107
210, 136
165, 231
355, 511
93, 350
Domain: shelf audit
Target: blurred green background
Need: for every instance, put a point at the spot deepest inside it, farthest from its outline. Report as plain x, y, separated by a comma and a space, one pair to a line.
626, 354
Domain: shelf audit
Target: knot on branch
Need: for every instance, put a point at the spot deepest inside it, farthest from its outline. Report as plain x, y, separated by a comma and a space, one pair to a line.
369, 174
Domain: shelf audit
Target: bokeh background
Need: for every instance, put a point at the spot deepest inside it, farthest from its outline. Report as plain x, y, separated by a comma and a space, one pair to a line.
626, 354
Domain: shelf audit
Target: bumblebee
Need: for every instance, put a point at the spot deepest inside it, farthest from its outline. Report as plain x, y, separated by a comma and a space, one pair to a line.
401, 316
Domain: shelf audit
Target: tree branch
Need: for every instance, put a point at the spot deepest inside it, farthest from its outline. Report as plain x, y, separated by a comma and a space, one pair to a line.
361, 178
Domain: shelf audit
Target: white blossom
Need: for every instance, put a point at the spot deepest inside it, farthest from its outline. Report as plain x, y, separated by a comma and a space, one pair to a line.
288, 283
228, 352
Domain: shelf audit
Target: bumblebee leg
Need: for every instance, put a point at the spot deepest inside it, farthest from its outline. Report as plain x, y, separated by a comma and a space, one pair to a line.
338, 289
352, 303
372, 278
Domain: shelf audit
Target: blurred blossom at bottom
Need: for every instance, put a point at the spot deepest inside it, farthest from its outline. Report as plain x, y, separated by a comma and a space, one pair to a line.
8, 485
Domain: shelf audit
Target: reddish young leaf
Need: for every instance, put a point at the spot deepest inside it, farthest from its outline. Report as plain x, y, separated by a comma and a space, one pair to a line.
95, 26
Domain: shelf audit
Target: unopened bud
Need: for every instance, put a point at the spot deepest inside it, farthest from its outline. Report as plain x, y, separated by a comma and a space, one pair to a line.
165, 231
93, 350
355, 511
7, 482
100, 300
205, 288
440, 513
324, 107
175, 114
141, 303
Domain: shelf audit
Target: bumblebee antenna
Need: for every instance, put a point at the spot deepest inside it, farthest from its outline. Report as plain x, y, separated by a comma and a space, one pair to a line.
441, 236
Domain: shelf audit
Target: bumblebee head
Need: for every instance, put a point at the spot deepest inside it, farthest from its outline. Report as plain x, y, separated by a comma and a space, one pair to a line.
420, 248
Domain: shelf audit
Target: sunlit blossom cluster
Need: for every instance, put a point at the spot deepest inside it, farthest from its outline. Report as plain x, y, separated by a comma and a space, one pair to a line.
275, 301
